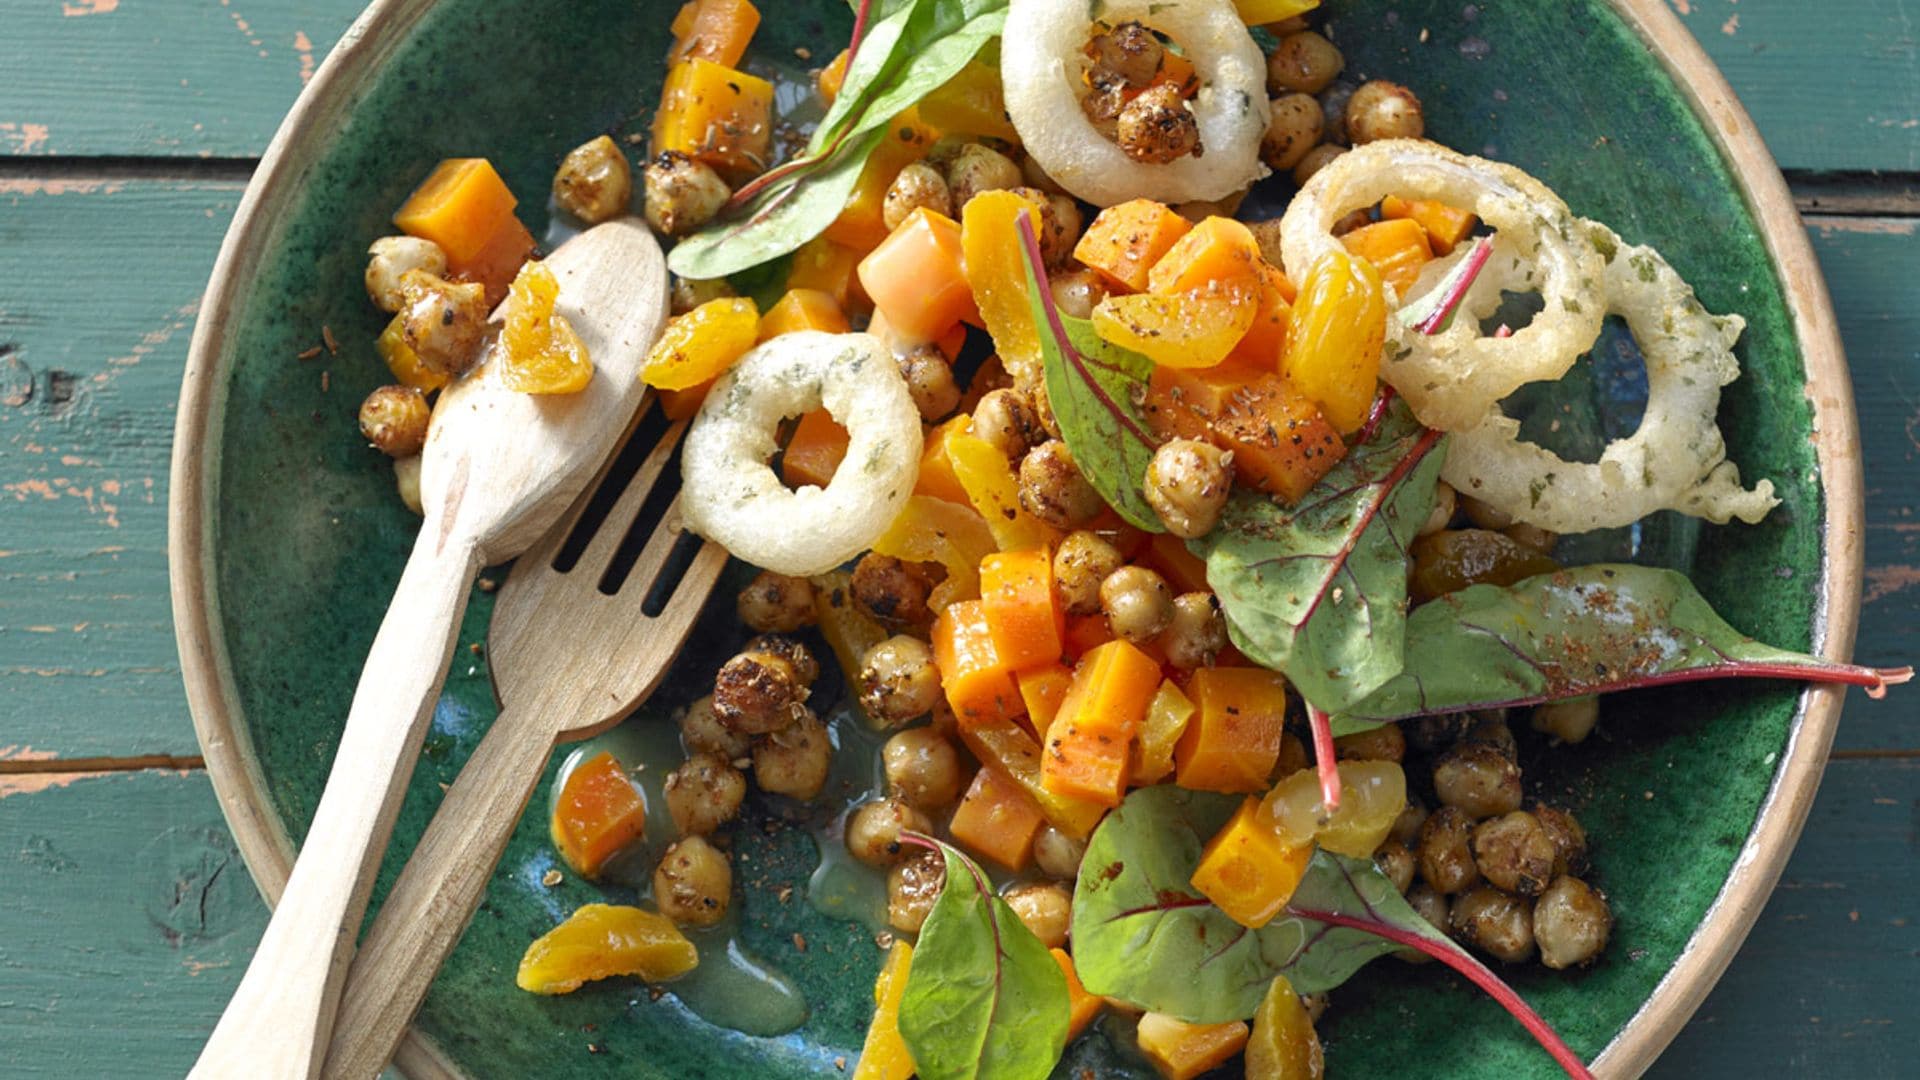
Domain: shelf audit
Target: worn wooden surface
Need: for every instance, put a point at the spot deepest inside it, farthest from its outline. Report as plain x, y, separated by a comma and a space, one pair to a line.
125, 916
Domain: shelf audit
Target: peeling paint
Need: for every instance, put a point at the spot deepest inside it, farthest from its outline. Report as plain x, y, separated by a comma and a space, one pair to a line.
28, 783
25, 137
1731, 26
303, 45
1884, 581
31, 186
1875, 226
70, 9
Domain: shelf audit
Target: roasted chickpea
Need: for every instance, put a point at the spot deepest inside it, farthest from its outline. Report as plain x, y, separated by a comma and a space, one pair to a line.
912, 887
793, 761
1396, 861
1137, 602
704, 793
1477, 778
1572, 922
1157, 127
1005, 419
693, 883
1315, 160
1052, 489
1129, 52
682, 193
1514, 853
1358, 219
1406, 827
1384, 743
1383, 110
805, 667
1187, 485
1432, 907
1293, 128
595, 182
1293, 755
406, 477
1046, 907
1446, 852
1495, 923
1062, 223
874, 828
701, 732
1569, 839
776, 603
919, 186
690, 293
1333, 107
1442, 513
890, 591
1490, 727
1196, 633
1533, 536
1076, 291
444, 322
1034, 384
979, 168
394, 419
1102, 104
922, 768
756, 692
390, 258
1081, 562
1057, 854
929, 378
1303, 63
1569, 721
898, 680
1431, 733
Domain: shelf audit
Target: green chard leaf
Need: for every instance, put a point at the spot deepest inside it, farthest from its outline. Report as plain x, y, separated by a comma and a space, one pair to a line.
1587, 630
985, 1000
1095, 389
911, 48
1318, 591
1142, 934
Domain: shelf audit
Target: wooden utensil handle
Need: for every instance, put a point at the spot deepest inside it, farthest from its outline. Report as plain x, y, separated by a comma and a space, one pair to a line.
277, 1024
435, 897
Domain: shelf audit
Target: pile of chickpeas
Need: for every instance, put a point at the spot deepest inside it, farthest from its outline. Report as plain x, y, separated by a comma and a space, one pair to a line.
1315, 116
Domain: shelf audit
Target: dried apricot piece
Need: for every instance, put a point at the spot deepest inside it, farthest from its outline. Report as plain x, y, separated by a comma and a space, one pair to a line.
701, 345
600, 941
539, 352
599, 811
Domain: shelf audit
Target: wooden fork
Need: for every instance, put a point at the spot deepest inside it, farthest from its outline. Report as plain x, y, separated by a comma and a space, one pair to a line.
570, 660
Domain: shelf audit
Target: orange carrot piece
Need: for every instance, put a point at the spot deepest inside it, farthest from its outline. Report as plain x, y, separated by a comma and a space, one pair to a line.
1082, 1007
1397, 247
1005, 745
826, 267
680, 404
1184, 570
1182, 1051
460, 206
1445, 226
861, 224
970, 103
1023, 611
1183, 402
1247, 870
598, 812
997, 820
803, 309
1088, 746
916, 279
1086, 633
716, 30
1125, 241
1281, 442
1042, 689
1220, 253
978, 683
937, 477
717, 114
1264, 340
818, 446
1233, 740
832, 77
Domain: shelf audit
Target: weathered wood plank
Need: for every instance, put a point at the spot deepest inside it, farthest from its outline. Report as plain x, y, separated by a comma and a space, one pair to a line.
102, 282
1833, 86
186, 78
1824, 984
128, 920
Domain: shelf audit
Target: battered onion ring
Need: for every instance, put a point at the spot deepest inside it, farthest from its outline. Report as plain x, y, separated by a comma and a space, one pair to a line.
728, 492
1451, 379
1677, 458
1042, 66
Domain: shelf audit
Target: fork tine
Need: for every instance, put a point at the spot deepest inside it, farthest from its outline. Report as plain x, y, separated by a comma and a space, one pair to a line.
659, 548
614, 527
545, 550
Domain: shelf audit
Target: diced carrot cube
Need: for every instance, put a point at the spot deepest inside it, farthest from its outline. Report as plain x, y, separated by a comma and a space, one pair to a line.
818, 446
1233, 740
832, 77
936, 463
826, 267
716, 30
970, 103
1184, 570
1397, 247
1043, 689
1086, 633
1182, 1051
717, 114
803, 309
1445, 226
1247, 870
1265, 339
1082, 1007
1281, 443
1182, 403
997, 820
1023, 611
461, 206
1125, 241
599, 811
1088, 746
1219, 252
949, 343
1005, 745
978, 683
498, 263
916, 278
680, 404
862, 224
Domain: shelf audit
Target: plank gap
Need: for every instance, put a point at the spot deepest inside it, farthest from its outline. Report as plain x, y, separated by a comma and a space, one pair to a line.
236, 170
1873, 755
1855, 194
140, 763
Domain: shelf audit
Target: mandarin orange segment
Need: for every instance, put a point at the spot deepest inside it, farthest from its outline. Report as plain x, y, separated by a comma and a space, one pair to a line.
601, 941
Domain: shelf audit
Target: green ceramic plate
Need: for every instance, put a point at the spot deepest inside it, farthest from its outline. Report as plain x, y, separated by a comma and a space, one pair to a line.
288, 538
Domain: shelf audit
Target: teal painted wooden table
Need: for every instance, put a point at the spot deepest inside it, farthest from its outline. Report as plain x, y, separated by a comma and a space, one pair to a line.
127, 131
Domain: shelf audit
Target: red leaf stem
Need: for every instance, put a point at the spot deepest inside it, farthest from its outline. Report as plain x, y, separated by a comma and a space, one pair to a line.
859, 30
1377, 415
759, 183
1323, 759
1476, 261
1037, 265
1476, 972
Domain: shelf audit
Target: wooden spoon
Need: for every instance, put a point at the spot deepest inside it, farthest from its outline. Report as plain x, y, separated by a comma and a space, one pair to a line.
570, 660
499, 467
